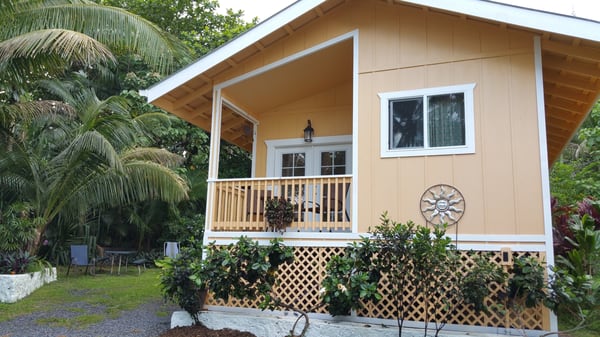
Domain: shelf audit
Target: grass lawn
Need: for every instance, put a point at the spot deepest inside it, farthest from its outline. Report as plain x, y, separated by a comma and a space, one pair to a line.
111, 292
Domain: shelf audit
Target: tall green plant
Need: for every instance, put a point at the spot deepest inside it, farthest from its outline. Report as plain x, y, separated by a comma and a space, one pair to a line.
410, 256
575, 291
351, 279
17, 227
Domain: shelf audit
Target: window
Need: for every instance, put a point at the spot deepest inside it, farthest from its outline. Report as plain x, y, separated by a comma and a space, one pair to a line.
434, 121
293, 164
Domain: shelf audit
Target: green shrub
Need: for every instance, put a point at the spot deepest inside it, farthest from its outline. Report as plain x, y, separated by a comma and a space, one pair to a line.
244, 270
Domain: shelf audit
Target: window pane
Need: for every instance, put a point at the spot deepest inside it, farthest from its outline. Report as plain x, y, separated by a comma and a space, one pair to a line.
333, 162
299, 159
326, 159
292, 164
287, 160
406, 120
446, 120
340, 158
326, 171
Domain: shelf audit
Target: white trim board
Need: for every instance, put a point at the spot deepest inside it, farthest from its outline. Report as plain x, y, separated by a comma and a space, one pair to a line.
519, 16
532, 243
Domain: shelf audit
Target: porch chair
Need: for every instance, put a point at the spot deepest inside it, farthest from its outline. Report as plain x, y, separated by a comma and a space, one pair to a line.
331, 204
79, 258
255, 204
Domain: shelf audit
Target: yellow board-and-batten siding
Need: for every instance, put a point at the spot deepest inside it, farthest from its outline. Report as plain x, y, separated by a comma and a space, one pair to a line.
406, 48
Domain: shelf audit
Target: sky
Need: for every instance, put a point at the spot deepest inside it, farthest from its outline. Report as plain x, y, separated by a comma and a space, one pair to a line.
263, 9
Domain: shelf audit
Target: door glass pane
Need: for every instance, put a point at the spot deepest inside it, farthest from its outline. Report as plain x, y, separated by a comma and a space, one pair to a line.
293, 164
333, 162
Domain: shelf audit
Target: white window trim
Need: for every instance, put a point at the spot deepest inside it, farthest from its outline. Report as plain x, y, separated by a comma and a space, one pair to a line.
469, 146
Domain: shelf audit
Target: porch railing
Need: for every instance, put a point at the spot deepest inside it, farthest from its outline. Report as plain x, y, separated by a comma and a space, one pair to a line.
321, 204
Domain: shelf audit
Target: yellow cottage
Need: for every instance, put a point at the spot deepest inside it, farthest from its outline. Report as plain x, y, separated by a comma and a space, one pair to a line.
432, 110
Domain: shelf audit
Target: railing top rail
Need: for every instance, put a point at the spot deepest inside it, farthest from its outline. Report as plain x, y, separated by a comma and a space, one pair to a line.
281, 178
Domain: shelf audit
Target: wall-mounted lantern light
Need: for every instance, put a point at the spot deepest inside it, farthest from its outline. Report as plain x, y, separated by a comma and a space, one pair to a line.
308, 132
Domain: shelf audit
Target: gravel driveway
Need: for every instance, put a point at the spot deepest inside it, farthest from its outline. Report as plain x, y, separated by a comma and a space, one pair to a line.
149, 320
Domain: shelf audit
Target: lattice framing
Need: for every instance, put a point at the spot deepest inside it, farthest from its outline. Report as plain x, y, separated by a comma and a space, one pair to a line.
300, 282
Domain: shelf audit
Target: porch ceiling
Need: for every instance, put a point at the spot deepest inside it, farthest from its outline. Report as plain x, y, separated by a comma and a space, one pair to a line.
292, 81
571, 70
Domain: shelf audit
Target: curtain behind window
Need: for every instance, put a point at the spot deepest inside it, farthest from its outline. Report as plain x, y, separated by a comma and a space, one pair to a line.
446, 120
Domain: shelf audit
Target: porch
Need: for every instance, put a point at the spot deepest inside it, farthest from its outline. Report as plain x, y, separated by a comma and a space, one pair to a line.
321, 203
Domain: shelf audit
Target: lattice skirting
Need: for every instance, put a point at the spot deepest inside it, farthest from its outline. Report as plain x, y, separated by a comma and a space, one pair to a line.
300, 283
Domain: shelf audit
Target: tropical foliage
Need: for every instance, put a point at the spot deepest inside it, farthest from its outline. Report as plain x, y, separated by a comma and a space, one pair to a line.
67, 163
65, 153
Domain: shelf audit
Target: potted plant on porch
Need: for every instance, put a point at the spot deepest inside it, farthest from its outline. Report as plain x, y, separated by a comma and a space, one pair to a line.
279, 213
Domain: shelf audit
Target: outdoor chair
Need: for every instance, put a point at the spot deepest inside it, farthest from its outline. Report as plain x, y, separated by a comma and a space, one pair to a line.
101, 258
171, 249
79, 258
139, 263
332, 204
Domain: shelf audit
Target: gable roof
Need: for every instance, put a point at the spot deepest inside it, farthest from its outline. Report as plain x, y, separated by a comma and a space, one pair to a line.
570, 59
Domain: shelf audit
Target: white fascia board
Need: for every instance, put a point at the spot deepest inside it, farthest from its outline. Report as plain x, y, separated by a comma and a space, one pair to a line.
519, 16
231, 48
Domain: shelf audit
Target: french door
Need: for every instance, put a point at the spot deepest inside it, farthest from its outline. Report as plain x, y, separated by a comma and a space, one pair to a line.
319, 160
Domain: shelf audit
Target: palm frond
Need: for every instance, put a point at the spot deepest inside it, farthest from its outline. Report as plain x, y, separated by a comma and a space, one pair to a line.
148, 123
88, 146
66, 44
25, 112
156, 155
112, 26
142, 181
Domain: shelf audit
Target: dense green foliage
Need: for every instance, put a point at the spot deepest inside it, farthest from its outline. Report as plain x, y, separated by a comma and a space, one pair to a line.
71, 115
244, 270
576, 175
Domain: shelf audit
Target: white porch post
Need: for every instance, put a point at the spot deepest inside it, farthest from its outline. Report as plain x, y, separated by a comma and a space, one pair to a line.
213, 159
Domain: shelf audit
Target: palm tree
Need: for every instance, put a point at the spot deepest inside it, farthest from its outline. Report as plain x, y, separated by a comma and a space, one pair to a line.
68, 156
66, 163
44, 36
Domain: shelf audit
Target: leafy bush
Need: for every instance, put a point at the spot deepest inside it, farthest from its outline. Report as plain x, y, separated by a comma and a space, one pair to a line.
176, 280
244, 270
407, 254
475, 285
20, 262
351, 278
17, 228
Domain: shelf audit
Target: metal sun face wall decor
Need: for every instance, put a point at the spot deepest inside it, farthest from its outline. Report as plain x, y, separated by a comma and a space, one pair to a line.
442, 204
